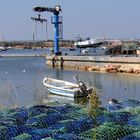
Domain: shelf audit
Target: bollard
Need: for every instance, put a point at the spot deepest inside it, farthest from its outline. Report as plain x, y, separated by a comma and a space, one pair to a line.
53, 62
61, 62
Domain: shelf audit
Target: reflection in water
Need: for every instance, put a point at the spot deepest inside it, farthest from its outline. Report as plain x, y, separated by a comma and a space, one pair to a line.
55, 98
81, 101
58, 74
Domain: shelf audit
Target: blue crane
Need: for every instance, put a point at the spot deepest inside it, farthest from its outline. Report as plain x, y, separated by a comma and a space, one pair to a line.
56, 20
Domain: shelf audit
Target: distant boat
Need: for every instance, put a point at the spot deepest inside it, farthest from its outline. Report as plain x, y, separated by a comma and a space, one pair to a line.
64, 88
95, 42
72, 49
103, 48
3, 48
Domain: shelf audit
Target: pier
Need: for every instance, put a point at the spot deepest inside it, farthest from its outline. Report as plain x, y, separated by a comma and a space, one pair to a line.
96, 63
92, 60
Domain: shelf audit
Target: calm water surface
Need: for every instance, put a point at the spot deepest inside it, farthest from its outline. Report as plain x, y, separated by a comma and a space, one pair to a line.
21, 82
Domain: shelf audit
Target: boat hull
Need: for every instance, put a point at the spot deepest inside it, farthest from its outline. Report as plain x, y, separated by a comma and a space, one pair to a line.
95, 42
63, 88
60, 92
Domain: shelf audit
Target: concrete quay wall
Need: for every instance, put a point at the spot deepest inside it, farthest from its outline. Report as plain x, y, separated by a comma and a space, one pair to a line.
97, 63
94, 60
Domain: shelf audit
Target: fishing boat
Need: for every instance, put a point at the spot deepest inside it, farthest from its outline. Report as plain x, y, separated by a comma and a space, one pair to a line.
65, 88
89, 43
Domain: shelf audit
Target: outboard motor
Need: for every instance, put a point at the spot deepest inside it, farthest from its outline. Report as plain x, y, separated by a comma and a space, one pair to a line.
82, 87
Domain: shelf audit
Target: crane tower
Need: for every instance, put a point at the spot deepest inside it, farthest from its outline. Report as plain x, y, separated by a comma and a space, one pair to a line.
57, 21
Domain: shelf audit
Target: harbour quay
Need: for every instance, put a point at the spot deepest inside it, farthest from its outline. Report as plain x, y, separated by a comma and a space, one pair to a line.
22, 55
105, 63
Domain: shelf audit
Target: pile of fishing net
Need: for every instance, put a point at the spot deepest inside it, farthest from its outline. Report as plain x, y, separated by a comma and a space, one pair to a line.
116, 117
133, 136
108, 131
10, 131
71, 122
134, 121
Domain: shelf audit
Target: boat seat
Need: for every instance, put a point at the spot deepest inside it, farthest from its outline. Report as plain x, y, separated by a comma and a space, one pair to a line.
70, 86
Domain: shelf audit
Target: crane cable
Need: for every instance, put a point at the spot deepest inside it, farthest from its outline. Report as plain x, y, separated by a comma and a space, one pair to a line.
33, 31
46, 31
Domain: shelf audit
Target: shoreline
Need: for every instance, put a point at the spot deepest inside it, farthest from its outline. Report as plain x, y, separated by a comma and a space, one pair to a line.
96, 63
111, 69
22, 55
100, 70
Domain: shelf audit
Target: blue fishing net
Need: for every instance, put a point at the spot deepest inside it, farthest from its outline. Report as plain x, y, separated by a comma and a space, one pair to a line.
39, 109
7, 132
59, 128
80, 125
65, 109
134, 121
76, 114
44, 120
19, 117
130, 103
102, 119
26, 136
67, 137
116, 117
3, 133
42, 133
5, 112
69, 122
120, 117
108, 131
134, 136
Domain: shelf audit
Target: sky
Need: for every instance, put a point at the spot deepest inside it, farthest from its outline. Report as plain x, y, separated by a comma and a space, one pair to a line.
116, 19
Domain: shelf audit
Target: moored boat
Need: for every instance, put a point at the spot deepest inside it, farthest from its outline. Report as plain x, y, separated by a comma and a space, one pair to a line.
72, 49
64, 88
93, 43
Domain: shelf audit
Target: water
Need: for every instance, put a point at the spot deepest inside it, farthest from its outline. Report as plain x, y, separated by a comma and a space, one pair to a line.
25, 51
21, 81
65, 51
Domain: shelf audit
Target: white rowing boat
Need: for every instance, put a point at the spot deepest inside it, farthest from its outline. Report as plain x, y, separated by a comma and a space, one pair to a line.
64, 88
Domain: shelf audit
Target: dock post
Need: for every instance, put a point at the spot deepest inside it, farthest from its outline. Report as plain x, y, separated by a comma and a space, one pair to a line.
53, 62
61, 62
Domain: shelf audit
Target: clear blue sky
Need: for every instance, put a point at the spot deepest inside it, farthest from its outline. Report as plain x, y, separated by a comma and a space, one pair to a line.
88, 18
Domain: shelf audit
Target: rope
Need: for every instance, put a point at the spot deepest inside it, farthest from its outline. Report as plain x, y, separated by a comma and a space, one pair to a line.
46, 31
